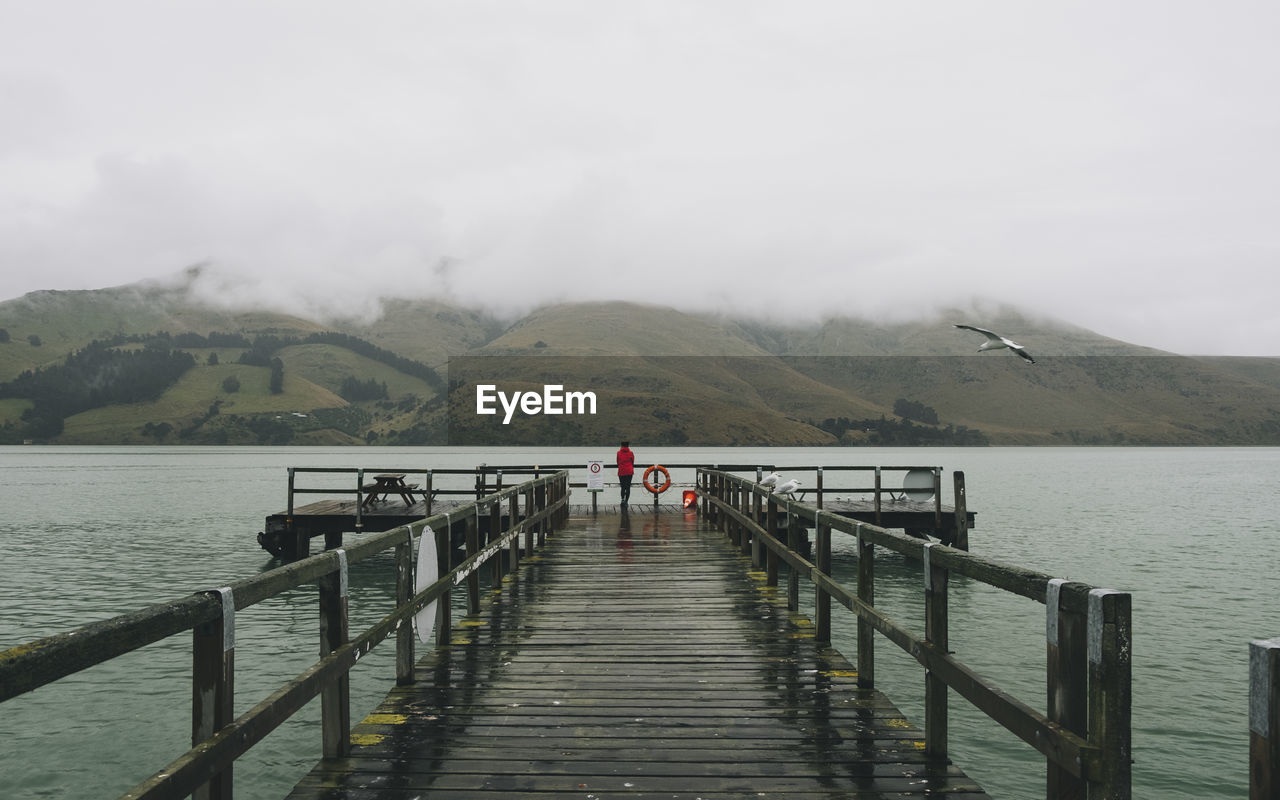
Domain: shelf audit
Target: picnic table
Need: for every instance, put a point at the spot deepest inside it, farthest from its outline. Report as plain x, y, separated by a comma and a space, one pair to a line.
386, 484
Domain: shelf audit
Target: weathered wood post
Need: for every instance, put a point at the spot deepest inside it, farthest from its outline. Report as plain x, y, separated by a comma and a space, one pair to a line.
717, 489
404, 593
771, 530
1067, 680
962, 512
1264, 719
1110, 650
513, 514
821, 599
335, 697
758, 515
935, 633
473, 547
427, 494
444, 608
794, 532
540, 493
359, 501
771, 557
289, 509
745, 533
819, 487
495, 532
530, 508
213, 687
877, 495
867, 594
937, 498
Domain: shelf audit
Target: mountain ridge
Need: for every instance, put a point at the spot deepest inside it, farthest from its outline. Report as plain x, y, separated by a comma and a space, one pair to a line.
669, 375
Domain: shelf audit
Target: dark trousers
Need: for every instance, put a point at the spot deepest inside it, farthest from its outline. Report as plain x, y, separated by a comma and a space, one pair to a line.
625, 482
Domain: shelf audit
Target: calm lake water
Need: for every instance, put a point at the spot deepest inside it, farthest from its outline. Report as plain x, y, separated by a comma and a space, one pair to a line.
88, 533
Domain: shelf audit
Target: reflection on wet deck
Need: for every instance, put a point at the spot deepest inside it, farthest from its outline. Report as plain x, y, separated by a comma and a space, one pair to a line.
635, 656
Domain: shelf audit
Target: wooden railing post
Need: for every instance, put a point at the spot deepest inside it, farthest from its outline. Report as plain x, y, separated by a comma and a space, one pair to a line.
758, 514
213, 687
877, 496
335, 698
935, 633
444, 606
495, 532
794, 532
513, 515
473, 547
867, 594
530, 508
937, 498
359, 502
404, 592
819, 487
962, 513
731, 497
745, 534
1110, 651
427, 493
540, 492
289, 510
1067, 681
1264, 719
822, 599
770, 559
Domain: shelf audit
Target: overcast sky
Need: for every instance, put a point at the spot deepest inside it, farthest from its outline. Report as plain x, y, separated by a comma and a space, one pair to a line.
1114, 165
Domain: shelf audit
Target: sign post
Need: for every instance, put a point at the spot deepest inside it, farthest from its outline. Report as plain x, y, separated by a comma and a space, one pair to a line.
595, 481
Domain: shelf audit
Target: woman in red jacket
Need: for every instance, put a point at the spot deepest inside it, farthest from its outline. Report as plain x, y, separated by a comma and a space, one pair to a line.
626, 469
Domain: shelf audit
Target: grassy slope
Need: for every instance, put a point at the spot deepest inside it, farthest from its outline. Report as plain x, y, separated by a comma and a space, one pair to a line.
191, 397
327, 366
748, 396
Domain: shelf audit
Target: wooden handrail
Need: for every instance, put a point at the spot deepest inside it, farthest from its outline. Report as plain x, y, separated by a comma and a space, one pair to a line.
1098, 758
205, 769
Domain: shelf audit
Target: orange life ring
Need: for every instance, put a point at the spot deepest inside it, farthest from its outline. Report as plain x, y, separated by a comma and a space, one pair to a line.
666, 479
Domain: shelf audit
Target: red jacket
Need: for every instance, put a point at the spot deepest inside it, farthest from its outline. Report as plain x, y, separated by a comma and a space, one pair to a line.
626, 462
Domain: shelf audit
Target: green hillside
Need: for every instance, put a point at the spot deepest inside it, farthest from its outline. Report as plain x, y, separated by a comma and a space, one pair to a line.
659, 375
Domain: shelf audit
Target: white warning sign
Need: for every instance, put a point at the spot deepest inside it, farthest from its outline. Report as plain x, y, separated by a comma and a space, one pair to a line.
595, 476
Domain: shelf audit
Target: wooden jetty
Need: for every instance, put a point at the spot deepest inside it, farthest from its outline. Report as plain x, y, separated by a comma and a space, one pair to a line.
364, 506
637, 656
661, 654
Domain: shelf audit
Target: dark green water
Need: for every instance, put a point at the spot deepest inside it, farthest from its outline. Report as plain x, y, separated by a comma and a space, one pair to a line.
92, 532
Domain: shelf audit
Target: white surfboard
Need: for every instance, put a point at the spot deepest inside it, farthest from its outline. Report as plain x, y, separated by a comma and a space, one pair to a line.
427, 573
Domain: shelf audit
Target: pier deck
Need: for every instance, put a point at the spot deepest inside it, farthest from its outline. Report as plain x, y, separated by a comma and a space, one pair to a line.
635, 656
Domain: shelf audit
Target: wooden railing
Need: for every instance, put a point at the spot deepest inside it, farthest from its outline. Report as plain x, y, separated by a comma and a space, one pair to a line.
534, 508
1085, 736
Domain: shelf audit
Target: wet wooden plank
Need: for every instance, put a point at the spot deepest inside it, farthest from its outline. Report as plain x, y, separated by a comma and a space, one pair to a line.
635, 658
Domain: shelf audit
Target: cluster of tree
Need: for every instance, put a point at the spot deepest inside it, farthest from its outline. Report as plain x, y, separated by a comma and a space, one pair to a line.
371, 351
910, 409
99, 375
355, 390
260, 350
896, 433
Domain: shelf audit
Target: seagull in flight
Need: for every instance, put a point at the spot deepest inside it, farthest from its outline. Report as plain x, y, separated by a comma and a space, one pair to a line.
995, 341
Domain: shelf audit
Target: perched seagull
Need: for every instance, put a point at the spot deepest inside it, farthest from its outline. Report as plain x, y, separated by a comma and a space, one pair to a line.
788, 487
995, 341
771, 479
